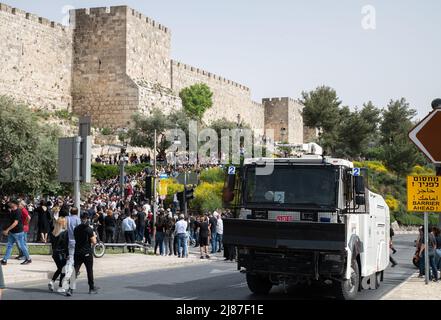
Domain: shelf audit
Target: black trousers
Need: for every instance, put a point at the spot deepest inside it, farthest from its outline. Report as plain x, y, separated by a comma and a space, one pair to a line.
130, 238
60, 262
87, 259
110, 234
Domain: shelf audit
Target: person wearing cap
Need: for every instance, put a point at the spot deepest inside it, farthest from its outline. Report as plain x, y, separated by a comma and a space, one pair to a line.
181, 233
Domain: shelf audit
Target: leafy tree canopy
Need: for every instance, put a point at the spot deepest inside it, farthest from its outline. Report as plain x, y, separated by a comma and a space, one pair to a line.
28, 164
196, 99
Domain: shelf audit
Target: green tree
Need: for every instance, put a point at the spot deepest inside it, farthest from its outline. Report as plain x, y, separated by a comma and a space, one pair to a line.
357, 131
400, 155
322, 110
142, 132
28, 164
196, 99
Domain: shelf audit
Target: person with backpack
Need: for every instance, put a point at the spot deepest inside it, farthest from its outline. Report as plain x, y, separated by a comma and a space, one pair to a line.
59, 240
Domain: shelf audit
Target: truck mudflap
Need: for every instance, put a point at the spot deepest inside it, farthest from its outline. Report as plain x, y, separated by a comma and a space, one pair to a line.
284, 235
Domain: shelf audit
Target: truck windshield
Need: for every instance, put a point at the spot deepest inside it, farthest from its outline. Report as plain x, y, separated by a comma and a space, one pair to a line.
314, 187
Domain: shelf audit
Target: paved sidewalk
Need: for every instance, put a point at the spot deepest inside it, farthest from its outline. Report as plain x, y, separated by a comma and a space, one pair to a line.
415, 289
43, 267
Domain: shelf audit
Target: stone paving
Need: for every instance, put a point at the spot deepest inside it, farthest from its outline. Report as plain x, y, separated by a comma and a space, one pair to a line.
415, 289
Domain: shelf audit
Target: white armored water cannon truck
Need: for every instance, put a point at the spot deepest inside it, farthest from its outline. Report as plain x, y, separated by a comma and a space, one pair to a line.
312, 219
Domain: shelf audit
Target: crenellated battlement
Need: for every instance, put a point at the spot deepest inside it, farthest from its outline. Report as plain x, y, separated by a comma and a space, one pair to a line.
208, 74
32, 17
119, 10
279, 99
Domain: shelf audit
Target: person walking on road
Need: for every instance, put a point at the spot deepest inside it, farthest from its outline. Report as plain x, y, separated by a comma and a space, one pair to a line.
84, 239
392, 234
60, 250
26, 220
391, 246
181, 233
15, 234
129, 228
72, 222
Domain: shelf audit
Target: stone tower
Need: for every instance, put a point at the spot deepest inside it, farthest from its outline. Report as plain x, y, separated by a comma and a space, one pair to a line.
284, 116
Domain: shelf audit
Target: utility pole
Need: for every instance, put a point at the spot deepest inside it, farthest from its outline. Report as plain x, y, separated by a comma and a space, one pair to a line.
77, 176
185, 193
436, 104
154, 183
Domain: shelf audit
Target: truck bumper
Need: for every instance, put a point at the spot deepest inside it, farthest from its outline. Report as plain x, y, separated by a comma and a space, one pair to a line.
310, 264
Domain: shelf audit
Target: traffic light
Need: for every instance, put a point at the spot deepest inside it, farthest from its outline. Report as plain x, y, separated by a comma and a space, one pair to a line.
148, 187
189, 194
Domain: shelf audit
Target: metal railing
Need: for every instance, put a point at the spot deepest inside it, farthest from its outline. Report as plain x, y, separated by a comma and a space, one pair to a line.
124, 246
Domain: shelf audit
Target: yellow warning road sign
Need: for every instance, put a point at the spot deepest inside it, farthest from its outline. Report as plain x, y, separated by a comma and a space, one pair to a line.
424, 194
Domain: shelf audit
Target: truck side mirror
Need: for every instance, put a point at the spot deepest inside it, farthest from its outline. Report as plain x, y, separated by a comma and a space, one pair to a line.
228, 192
359, 185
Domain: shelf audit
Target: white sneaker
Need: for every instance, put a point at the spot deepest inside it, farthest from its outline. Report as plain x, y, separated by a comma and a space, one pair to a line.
61, 290
50, 285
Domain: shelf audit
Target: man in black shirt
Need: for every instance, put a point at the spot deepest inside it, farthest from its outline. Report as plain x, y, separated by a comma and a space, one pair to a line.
140, 223
84, 239
15, 233
213, 231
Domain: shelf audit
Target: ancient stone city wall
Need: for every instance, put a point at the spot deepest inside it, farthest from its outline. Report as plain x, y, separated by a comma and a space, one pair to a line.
35, 59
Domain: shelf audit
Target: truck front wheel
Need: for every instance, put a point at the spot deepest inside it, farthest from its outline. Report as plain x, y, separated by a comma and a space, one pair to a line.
348, 289
259, 284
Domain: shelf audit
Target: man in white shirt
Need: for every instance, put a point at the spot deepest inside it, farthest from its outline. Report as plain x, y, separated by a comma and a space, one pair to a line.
220, 232
129, 227
181, 233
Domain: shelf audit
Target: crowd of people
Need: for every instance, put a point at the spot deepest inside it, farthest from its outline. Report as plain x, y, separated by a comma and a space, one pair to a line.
433, 251
107, 216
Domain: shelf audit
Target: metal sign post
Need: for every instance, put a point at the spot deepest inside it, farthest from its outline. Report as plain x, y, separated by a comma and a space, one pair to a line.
426, 246
153, 202
77, 177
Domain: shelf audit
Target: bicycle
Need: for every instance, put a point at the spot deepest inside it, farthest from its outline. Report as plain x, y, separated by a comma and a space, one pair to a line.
99, 248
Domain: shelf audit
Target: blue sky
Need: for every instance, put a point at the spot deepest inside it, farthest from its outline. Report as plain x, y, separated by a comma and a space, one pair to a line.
282, 47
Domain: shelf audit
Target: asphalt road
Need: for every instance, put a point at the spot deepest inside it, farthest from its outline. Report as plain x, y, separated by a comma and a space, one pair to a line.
211, 281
